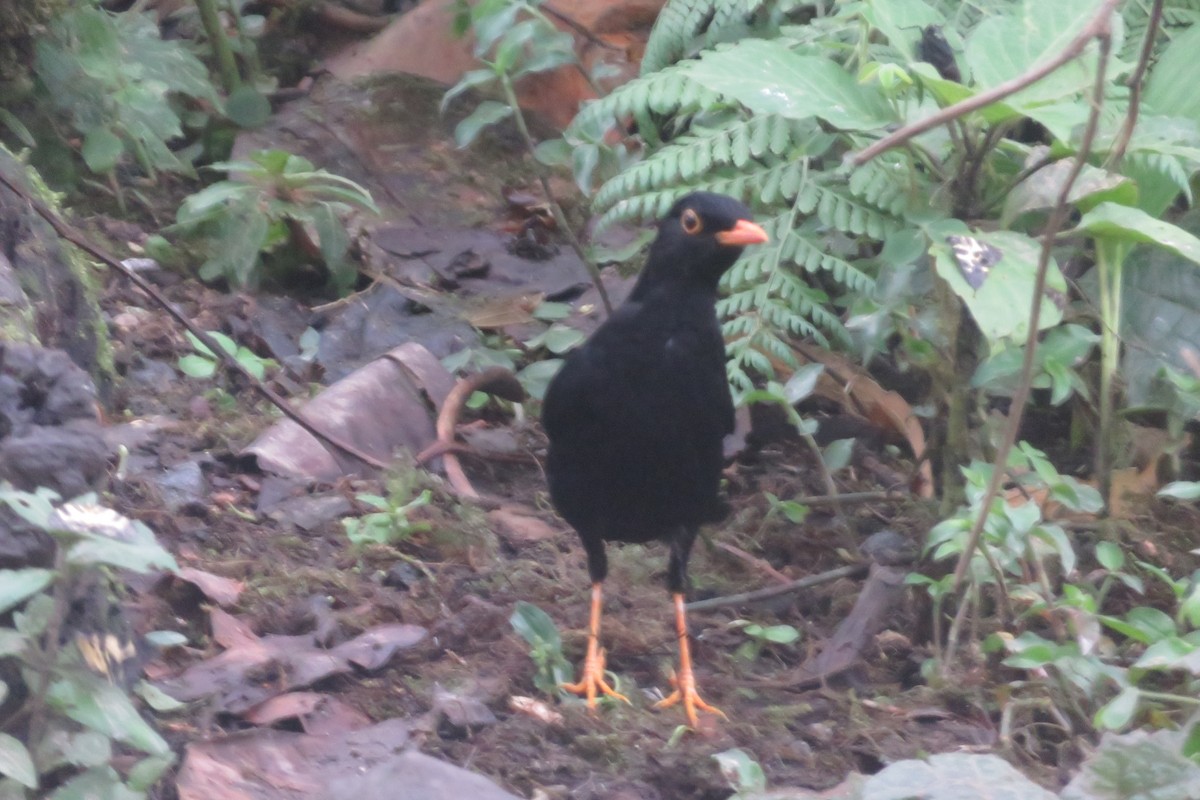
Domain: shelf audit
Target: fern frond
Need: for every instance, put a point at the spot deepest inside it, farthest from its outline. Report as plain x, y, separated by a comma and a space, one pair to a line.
667, 92
682, 24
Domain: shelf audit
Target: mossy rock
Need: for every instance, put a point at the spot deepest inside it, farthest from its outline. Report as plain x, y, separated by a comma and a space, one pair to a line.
48, 290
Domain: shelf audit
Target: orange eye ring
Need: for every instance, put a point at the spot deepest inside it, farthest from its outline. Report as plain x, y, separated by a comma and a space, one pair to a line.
690, 222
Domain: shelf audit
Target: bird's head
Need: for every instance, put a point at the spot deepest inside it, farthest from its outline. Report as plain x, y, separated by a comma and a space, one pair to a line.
700, 237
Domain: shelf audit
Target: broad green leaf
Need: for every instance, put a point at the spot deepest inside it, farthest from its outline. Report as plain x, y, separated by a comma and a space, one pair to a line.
102, 150
535, 625
836, 454
469, 80
901, 21
1137, 766
1171, 85
197, 366
536, 377
98, 783
246, 107
741, 771
768, 78
106, 709
18, 585
1170, 653
803, 382
953, 776
1116, 713
1181, 490
1128, 224
16, 763
489, 112
1006, 45
1001, 305
157, 699
146, 772
1110, 555
1041, 189
137, 556
12, 643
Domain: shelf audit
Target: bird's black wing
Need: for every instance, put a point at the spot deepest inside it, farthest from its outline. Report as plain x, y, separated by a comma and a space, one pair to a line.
635, 419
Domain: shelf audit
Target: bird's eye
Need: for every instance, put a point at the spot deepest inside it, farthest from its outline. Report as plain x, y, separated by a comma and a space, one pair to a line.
690, 221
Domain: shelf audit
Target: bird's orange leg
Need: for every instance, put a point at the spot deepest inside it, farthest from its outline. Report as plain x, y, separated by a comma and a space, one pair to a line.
685, 681
592, 678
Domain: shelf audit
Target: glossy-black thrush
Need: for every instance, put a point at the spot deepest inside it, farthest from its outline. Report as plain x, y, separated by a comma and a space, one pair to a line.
637, 414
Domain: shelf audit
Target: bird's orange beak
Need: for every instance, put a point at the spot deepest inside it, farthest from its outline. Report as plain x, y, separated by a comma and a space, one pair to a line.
743, 233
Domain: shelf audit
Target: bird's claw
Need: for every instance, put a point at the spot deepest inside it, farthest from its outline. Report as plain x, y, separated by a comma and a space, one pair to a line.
685, 693
592, 680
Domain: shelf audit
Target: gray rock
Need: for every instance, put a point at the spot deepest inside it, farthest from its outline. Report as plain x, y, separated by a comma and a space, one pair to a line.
416, 776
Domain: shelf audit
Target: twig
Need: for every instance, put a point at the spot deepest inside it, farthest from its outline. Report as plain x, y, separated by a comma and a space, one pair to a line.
1098, 27
495, 380
775, 591
852, 497
579, 27
1135, 85
758, 563
560, 218
83, 243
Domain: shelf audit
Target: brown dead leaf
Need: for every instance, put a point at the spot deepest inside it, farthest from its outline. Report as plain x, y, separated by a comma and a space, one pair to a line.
284, 706
518, 528
375, 647
849, 385
222, 591
536, 709
334, 717
378, 408
253, 670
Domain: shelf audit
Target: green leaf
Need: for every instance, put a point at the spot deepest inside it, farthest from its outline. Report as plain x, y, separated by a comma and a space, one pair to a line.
768, 78
469, 80
197, 366
98, 783
1110, 556
1170, 653
1181, 490
157, 699
953, 776
101, 150
106, 709
12, 643
1136, 766
246, 107
536, 377
1001, 305
18, 585
489, 112
837, 453
741, 771
1116, 713
17, 128
146, 772
16, 763
1041, 189
1128, 224
1171, 86
535, 625
803, 382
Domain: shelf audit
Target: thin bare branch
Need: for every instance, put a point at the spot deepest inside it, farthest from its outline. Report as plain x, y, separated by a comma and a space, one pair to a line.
230, 363
1097, 27
1135, 85
775, 591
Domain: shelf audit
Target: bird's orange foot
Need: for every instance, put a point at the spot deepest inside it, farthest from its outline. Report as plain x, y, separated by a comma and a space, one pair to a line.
592, 681
685, 693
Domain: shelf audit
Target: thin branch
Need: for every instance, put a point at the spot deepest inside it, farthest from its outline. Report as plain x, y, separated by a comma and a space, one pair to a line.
560, 218
775, 591
1135, 85
75, 237
1101, 29
1098, 27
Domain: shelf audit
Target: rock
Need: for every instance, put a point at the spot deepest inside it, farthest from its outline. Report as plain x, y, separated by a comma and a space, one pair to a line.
423, 778
182, 486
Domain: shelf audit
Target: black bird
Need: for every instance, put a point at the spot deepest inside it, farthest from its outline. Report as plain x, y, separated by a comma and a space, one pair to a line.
636, 417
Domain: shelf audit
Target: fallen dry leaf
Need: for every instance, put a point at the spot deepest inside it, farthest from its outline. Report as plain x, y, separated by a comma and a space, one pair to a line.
222, 591
284, 706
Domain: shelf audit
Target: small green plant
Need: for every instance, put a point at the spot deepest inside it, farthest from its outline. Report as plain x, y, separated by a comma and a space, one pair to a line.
122, 110
391, 522
743, 774
75, 721
203, 363
545, 648
763, 636
272, 202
